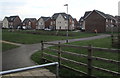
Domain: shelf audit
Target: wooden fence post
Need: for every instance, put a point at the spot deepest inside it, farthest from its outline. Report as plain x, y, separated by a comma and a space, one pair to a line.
112, 40
59, 54
89, 61
42, 48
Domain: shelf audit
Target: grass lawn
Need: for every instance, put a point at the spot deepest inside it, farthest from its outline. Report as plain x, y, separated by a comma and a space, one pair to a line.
6, 46
105, 43
30, 38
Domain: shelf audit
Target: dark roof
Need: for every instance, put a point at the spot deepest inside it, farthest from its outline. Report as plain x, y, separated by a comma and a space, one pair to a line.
11, 18
45, 18
30, 19
106, 16
86, 13
65, 16
81, 19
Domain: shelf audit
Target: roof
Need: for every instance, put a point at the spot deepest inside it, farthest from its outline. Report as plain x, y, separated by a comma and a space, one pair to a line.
87, 13
30, 19
11, 18
81, 19
45, 18
106, 16
65, 16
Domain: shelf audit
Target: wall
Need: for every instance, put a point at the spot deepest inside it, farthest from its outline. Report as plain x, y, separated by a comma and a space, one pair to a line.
5, 23
41, 24
61, 23
95, 22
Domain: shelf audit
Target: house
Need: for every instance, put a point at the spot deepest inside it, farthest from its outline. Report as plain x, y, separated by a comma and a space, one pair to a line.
30, 23
5, 23
97, 21
82, 20
11, 22
1, 24
60, 21
118, 22
76, 24
43, 22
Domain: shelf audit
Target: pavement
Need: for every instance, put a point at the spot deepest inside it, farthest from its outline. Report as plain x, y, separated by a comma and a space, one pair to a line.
20, 57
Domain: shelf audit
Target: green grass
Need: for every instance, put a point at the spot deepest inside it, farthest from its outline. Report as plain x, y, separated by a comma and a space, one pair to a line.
6, 46
25, 37
104, 43
60, 33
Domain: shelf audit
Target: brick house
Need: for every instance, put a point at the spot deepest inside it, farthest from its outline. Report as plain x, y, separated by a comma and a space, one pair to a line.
43, 22
98, 21
118, 21
30, 23
76, 24
60, 21
82, 20
11, 22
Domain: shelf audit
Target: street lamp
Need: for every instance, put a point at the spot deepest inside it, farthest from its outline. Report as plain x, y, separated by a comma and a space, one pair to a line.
68, 23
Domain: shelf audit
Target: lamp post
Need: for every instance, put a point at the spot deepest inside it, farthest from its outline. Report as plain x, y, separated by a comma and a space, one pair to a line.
68, 23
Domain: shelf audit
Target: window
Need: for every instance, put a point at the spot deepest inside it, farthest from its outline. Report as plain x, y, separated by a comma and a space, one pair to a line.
106, 20
29, 23
51, 23
111, 21
59, 22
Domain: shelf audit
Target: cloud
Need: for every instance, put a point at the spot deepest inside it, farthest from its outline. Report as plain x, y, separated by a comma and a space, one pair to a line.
38, 8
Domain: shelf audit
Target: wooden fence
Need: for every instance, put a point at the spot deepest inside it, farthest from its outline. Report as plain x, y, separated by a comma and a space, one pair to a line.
89, 57
115, 40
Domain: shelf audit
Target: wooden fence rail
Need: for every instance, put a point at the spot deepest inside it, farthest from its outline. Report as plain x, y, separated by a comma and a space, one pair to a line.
82, 55
89, 57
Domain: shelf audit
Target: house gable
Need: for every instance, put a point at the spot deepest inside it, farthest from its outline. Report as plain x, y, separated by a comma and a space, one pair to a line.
5, 23
95, 22
30, 23
61, 23
41, 23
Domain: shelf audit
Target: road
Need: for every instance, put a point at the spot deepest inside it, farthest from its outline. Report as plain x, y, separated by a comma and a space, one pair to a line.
20, 57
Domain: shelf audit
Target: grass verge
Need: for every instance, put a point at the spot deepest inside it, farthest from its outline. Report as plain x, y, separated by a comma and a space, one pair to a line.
104, 43
30, 38
6, 46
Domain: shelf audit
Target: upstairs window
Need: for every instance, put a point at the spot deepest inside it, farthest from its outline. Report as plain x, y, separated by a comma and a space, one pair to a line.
106, 20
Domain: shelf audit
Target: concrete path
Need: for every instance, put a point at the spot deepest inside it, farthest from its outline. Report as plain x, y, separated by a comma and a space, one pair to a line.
81, 39
34, 73
20, 57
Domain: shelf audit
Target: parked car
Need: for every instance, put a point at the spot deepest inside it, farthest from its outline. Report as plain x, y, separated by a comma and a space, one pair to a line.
82, 29
47, 29
21, 27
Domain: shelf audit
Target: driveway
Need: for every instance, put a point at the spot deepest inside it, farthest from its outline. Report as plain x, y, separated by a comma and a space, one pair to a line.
20, 57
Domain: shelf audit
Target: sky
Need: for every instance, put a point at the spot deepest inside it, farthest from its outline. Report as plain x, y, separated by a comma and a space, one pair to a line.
38, 8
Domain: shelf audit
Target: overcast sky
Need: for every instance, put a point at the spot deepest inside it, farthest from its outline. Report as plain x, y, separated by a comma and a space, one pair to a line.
38, 8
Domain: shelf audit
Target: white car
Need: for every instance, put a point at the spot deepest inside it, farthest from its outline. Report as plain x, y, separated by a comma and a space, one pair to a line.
47, 29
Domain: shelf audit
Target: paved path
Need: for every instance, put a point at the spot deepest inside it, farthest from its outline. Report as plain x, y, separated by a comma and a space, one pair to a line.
20, 57
34, 73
